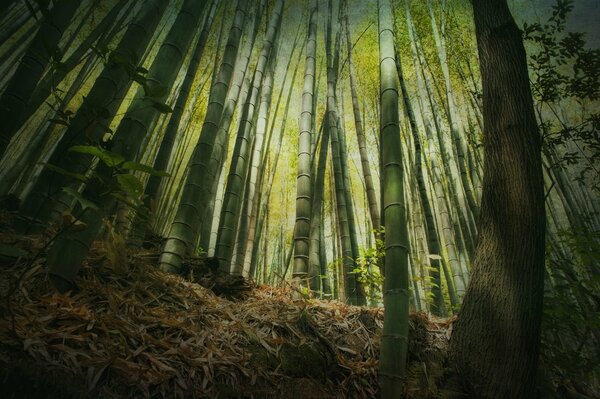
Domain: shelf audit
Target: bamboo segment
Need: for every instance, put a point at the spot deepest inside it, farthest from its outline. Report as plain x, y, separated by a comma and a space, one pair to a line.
394, 341
232, 201
91, 120
184, 229
42, 49
304, 195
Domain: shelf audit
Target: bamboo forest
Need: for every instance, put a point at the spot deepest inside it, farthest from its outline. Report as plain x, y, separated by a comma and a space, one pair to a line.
300, 199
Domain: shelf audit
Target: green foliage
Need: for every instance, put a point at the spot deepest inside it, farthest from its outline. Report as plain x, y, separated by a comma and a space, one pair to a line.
368, 268
130, 184
111, 159
130, 165
113, 178
84, 203
565, 72
571, 320
557, 48
59, 170
154, 94
305, 292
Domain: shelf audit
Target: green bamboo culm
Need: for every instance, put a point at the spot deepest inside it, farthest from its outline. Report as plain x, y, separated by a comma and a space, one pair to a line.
69, 250
304, 182
184, 229
265, 199
89, 123
212, 179
232, 201
394, 340
256, 217
174, 128
255, 168
360, 133
332, 125
42, 49
135, 130
102, 34
98, 37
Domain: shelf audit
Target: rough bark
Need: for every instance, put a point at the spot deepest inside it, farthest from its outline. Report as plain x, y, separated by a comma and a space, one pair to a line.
495, 344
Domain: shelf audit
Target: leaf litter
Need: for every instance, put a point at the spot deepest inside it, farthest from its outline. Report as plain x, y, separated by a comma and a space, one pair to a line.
144, 333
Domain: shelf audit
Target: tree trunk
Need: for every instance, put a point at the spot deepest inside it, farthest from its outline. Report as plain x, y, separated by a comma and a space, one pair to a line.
115, 18
258, 214
161, 161
213, 179
454, 119
338, 176
352, 225
257, 166
496, 340
317, 210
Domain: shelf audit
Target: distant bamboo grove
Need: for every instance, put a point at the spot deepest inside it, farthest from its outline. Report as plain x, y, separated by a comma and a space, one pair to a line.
401, 153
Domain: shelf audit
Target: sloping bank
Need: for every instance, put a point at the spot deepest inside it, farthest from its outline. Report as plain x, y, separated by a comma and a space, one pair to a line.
133, 331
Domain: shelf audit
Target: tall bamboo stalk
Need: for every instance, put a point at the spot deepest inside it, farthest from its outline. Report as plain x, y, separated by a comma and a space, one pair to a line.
238, 171
360, 134
304, 195
184, 229
42, 49
394, 340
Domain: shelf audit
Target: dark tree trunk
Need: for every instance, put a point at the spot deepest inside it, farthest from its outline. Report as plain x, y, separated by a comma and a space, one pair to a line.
495, 344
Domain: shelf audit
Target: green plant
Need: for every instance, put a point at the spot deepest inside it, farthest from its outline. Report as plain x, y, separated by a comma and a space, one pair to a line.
565, 75
113, 176
368, 270
571, 320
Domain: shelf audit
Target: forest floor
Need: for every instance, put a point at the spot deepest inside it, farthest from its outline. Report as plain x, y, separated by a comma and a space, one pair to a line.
130, 330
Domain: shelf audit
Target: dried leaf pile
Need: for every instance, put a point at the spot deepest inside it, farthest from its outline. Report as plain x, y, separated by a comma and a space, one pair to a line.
142, 333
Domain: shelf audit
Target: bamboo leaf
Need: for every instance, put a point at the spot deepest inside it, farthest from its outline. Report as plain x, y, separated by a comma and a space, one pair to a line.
85, 203
130, 184
130, 165
65, 172
111, 159
125, 200
72, 223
